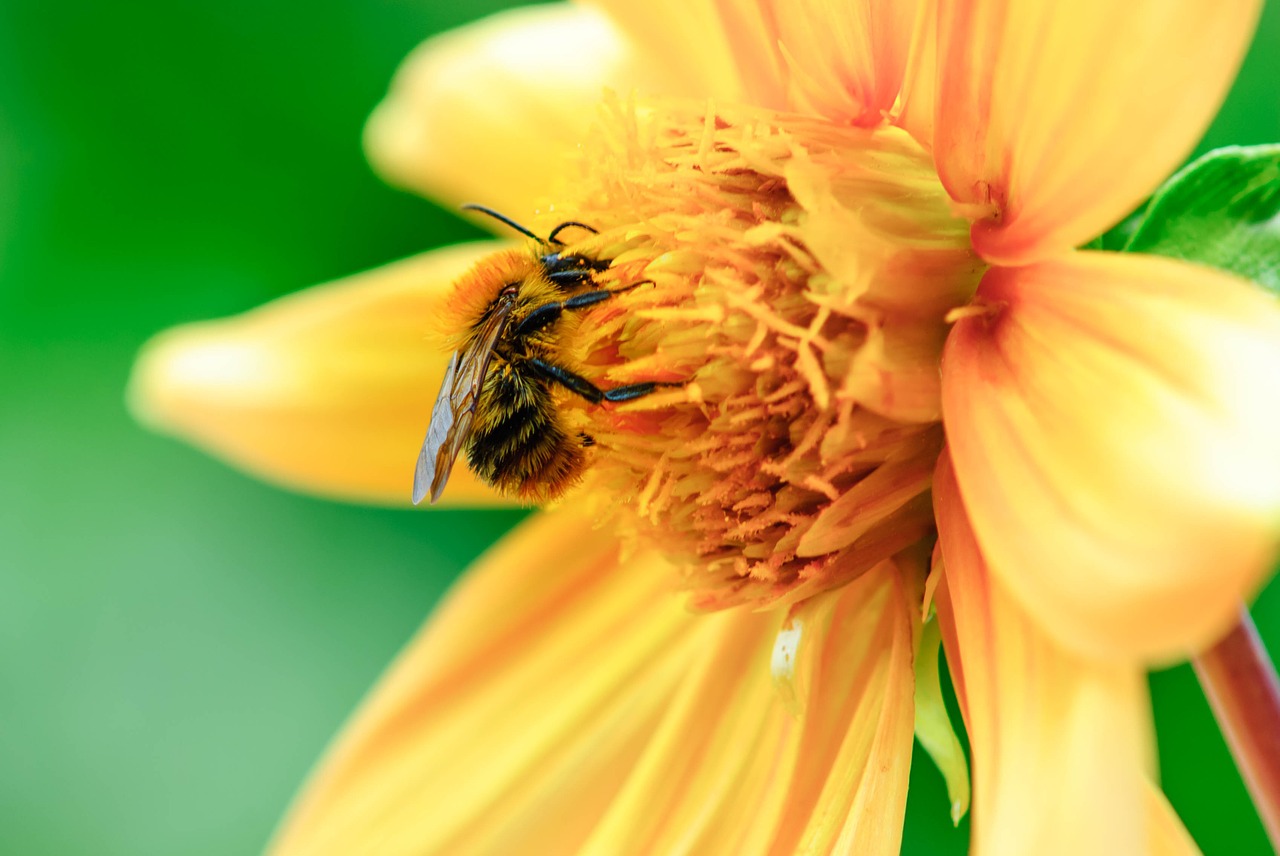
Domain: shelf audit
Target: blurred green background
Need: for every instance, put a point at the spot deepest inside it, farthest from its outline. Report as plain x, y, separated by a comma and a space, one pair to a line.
177, 641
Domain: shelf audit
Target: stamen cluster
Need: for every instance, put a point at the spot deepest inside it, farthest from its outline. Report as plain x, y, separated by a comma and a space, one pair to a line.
801, 275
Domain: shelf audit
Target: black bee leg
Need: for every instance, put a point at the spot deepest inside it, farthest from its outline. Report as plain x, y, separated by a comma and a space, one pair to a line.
632, 391
573, 382
553, 237
570, 277
572, 270
549, 312
578, 384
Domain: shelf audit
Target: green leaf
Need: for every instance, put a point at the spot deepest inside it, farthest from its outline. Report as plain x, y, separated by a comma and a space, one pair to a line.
1117, 237
1223, 210
933, 724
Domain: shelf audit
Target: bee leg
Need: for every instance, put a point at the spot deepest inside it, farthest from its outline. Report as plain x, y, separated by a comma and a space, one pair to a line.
549, 312
578, 384
573, 382
571, 271
539, 318
571, 277
632, 391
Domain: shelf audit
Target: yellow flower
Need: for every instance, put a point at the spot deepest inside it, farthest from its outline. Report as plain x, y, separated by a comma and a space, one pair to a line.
832, 201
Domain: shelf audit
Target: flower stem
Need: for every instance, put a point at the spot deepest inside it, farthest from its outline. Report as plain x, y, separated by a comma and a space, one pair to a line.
1240, 682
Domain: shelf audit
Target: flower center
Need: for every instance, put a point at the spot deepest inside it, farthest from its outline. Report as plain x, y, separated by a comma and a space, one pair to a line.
801, 277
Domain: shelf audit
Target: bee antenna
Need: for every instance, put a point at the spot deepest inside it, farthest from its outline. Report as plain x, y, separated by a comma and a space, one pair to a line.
553, 239
501, 218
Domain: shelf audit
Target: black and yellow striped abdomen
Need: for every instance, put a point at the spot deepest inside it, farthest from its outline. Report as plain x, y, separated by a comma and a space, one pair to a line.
519, 442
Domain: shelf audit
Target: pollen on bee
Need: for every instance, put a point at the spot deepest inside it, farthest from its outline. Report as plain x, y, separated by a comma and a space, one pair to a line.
475, 291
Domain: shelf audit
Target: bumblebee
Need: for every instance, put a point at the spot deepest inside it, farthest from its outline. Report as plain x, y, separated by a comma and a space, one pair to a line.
496, 399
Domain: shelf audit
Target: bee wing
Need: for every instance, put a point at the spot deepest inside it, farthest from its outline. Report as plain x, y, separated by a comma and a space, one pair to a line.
455, 407
444, 423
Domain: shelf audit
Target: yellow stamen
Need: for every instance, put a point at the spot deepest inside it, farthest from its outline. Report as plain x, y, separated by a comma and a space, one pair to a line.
802, 274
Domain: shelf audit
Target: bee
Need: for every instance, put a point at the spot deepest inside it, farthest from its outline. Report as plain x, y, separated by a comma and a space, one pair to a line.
496, 400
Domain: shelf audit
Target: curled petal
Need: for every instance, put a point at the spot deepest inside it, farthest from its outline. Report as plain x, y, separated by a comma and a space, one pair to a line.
486, 112
897, 263
1055, 119
327, 391
567, 693
895, 372
1079, 729
1113, 425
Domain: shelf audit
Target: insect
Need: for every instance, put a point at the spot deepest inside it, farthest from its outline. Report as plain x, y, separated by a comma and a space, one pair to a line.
496, 399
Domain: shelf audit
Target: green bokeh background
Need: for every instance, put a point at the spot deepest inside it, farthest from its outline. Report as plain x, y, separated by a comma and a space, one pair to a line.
178, 641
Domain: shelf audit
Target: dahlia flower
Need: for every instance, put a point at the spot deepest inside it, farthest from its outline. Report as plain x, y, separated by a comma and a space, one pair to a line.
902, 390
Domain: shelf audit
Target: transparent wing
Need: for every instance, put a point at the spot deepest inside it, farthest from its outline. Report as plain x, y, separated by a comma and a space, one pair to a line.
455, 407
444, 422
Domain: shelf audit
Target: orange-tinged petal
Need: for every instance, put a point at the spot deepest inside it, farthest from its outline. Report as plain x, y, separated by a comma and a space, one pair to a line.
1056, 119
563, 701
327, 391
510, 723
1113, 421
487, 113
915, 109
1060, 742
822, 760
858, 721
845, 60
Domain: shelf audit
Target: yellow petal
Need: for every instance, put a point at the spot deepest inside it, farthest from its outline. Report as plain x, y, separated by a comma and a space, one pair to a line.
327, 391
1166, 833
737, 769
845, 61
563, 701
510, 723
1060, 742
1113, 425
487, 113
1055, 119
693, 39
